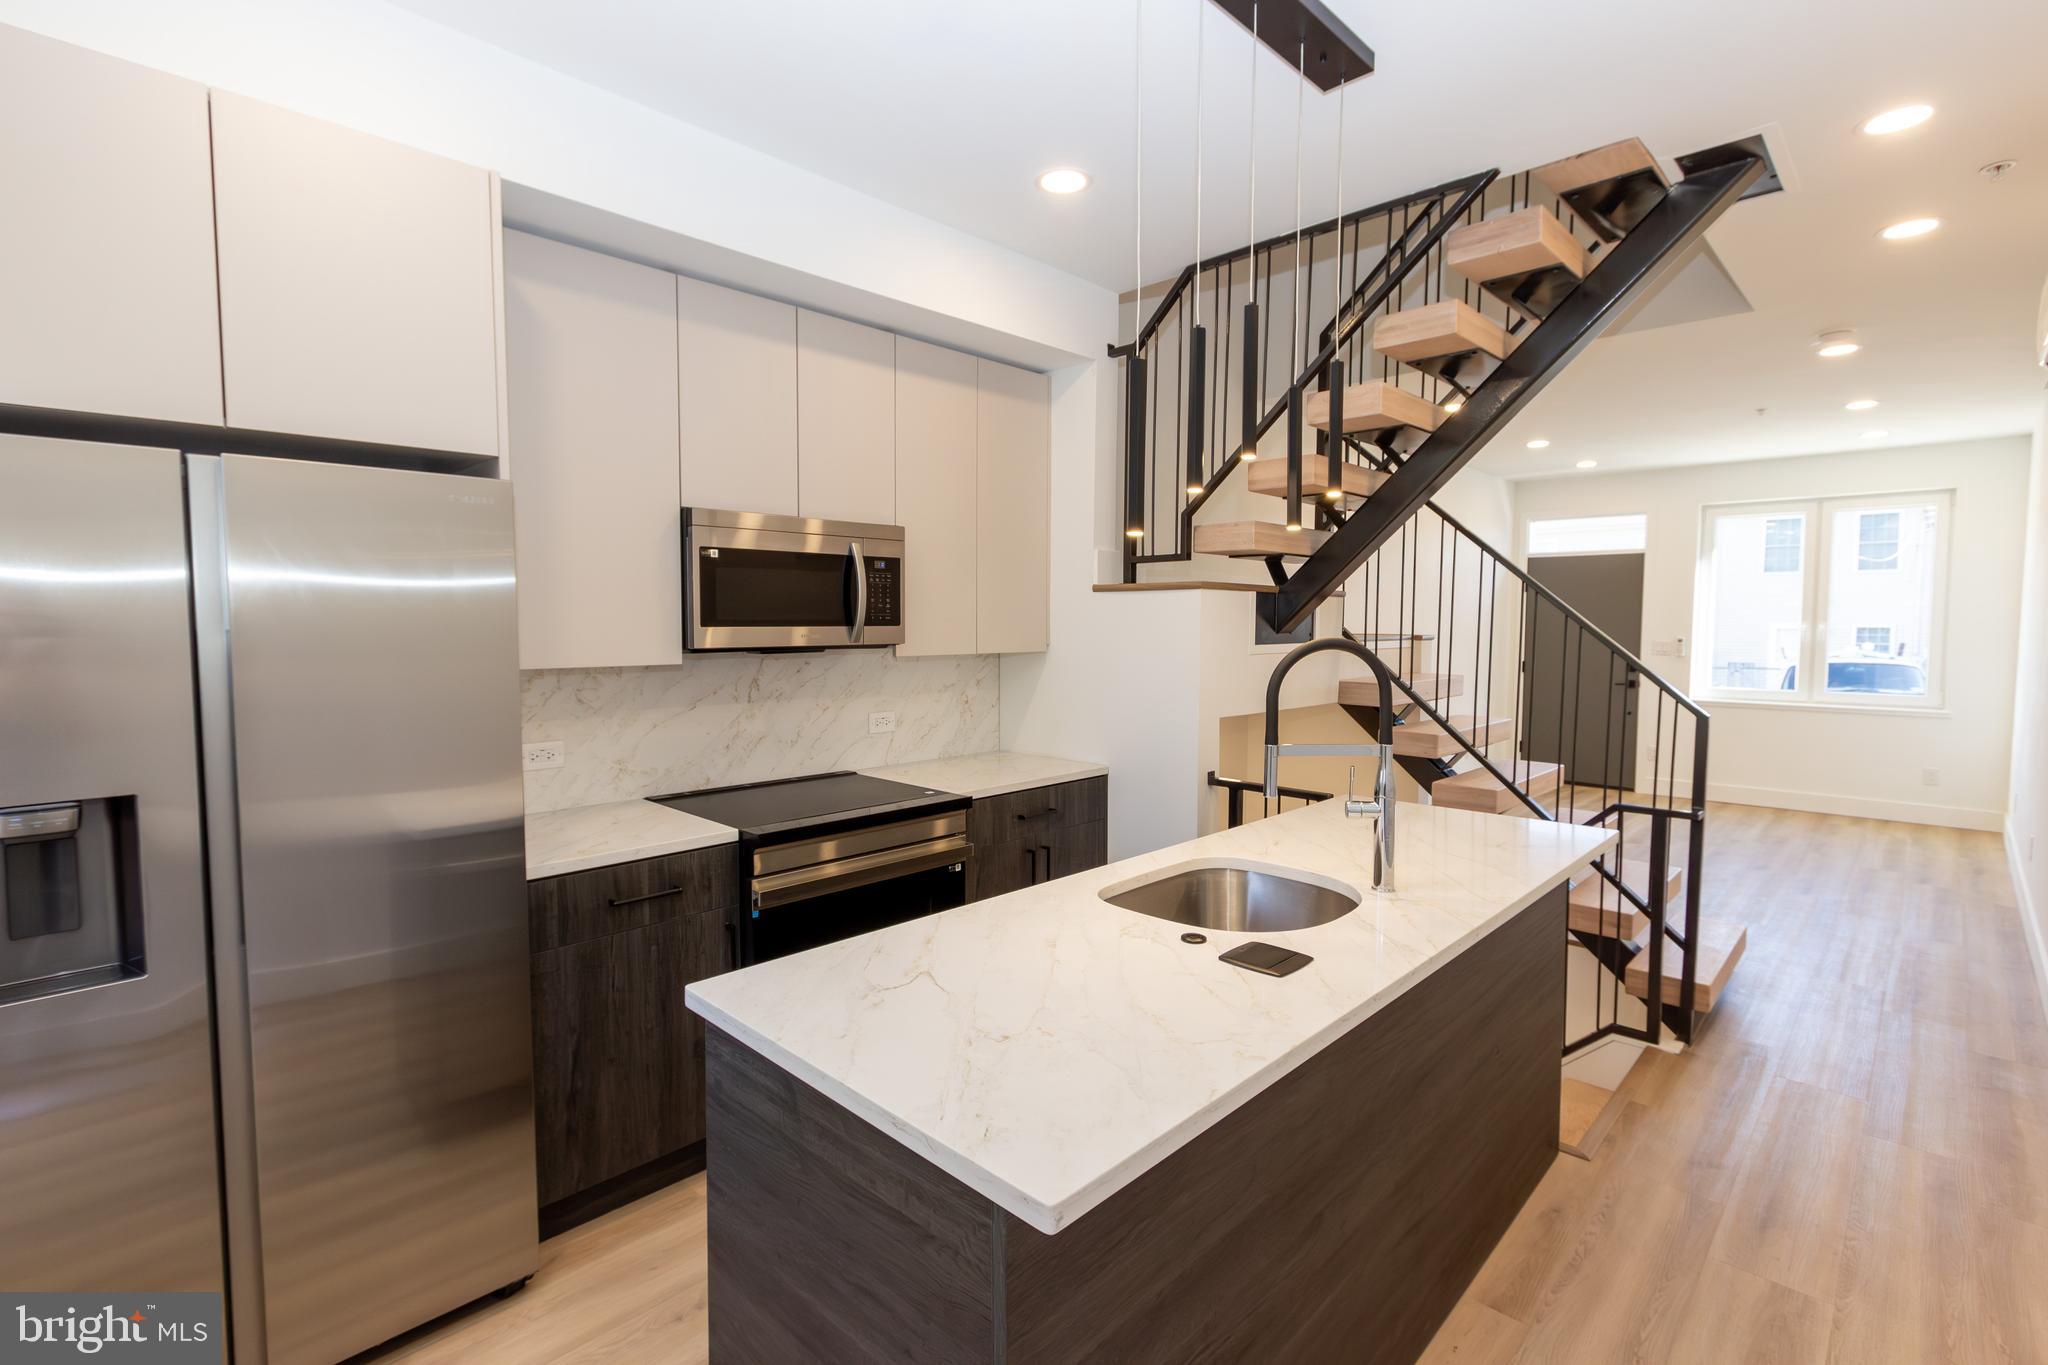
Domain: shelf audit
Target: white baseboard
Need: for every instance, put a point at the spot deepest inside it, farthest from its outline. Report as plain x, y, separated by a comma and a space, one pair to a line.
2030, 912
1827, 803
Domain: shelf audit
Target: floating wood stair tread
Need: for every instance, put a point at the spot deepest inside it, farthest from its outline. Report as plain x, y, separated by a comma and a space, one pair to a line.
1585, 1113
1255, 539
1437, 330
1480, 790
1270, 477
1595, 907
1431, 687
1527, 259
1513, 244
1373, 406
1424, 738
1610, 188
1720, 946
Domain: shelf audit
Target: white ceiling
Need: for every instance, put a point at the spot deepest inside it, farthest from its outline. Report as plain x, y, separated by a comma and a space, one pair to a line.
952, 108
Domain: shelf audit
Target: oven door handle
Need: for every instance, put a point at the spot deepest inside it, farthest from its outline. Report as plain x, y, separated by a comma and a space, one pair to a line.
843, 874
859, 623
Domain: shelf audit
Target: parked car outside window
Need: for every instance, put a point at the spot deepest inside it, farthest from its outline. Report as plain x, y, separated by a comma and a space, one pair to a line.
1867, 675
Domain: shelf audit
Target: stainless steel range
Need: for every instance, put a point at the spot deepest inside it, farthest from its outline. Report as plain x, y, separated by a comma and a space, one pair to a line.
837, 855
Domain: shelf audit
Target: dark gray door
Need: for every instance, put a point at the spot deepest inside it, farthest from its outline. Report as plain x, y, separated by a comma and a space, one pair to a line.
1583, 697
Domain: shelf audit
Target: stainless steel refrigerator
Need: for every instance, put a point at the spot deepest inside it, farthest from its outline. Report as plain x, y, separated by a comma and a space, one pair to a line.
263, 990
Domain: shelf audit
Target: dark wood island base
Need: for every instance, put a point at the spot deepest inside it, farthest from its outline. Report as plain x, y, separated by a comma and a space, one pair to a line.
1336, 1216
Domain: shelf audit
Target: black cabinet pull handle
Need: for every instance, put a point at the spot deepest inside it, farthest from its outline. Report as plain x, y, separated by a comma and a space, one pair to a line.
1048, 860
1031, 873
617, 901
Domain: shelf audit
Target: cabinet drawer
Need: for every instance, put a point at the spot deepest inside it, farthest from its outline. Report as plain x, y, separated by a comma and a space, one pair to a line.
610, 900
1024, 815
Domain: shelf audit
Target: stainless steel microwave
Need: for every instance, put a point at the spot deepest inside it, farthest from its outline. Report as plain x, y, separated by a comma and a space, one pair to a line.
756, 581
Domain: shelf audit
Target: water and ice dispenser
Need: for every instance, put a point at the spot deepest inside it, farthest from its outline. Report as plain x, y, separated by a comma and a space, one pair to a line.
69, 896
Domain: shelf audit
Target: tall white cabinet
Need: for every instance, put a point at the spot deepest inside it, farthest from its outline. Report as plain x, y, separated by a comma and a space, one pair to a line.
107, 295
935, 480
845, 420
358, 280
592, 374
1013, 513
739, 399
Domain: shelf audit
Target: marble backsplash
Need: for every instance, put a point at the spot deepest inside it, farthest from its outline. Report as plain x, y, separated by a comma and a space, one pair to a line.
719, 719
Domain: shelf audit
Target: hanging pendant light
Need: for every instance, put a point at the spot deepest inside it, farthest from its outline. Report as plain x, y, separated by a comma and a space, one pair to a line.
1134, 506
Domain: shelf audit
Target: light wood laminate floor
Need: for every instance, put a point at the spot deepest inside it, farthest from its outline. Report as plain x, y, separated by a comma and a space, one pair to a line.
1851, 1166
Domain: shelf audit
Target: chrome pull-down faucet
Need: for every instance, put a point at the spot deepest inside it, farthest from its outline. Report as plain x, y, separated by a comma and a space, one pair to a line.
1381, 807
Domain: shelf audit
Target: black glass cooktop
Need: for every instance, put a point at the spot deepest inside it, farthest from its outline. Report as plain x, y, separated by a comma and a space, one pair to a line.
803, 802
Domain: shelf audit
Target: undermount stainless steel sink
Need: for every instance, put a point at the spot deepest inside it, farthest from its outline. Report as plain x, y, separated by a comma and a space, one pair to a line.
1236, 899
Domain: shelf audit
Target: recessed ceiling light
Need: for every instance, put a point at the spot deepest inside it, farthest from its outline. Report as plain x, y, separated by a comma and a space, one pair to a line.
1063, 180
1859, 405
1539, 444
1898, 120
1836, 343
1588, 464
1875, 435
1912, 227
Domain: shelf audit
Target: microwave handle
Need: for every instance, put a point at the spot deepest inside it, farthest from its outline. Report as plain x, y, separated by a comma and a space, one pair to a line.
860, 593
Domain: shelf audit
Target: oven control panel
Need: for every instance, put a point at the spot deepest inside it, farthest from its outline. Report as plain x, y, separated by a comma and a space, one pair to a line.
885, 591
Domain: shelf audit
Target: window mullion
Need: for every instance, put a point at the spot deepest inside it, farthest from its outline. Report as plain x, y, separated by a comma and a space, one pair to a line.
1813, 642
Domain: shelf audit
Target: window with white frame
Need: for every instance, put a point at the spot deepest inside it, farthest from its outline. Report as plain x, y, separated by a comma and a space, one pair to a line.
1835, 600
1784, 537
1589, 535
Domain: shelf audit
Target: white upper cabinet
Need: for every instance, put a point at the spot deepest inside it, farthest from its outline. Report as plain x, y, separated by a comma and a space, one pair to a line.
591, 369
935, 436
358, 284
845, 420
1012, 492
738, 357
107, 299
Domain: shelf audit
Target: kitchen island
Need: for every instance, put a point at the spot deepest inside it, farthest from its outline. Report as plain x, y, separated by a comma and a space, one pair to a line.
1043, 1127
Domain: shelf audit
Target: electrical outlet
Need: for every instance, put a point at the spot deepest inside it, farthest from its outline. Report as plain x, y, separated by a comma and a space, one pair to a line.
1930, 777
548, 753
881, 722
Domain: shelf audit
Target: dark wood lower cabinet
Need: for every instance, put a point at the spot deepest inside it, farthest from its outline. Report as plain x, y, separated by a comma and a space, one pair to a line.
618, 1067
1023, 838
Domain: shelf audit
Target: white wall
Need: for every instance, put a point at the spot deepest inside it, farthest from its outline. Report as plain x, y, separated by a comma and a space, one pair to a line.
1836, 759
1112, 687
383, 70
2026, 830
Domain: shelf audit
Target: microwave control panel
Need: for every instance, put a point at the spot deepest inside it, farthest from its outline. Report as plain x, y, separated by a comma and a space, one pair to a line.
885, 591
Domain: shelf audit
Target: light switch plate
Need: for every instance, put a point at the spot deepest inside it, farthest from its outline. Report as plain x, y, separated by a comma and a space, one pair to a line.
546, 753
881, 722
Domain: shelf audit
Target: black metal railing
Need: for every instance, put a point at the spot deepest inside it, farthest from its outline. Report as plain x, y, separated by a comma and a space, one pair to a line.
1542, 684
1199, 384
1235, 790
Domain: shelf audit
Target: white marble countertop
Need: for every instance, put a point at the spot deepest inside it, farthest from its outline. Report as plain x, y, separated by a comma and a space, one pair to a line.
579, 839
1047, 1048
990, 774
